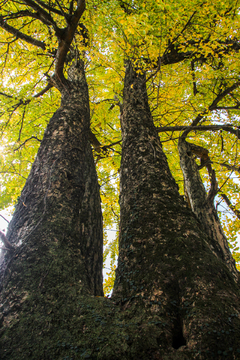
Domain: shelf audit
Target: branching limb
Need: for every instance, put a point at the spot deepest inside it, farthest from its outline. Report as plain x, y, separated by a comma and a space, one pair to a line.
35, 15
71, 7
24, 103
32, 137
97, 145
13, 173
94, 142
66, 17
202, 204
20, 14
44, 16
67, 38
48, 7
106, 147
212, 107
222, 95
23, 116
128, 8
173, 55
228, 128
20, 35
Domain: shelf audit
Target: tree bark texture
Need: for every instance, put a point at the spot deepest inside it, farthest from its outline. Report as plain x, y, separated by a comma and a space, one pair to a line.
203, 206
57, 225
165, 258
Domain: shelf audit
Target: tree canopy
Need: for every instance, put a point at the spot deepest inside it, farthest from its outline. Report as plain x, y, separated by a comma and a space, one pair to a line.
190, 52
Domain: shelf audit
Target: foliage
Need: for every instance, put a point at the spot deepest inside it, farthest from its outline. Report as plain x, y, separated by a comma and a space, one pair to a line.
191, 54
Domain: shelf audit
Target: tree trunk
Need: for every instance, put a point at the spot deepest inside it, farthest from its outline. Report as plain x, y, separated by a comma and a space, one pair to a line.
173, 298
203, 206
57, 225
165, 260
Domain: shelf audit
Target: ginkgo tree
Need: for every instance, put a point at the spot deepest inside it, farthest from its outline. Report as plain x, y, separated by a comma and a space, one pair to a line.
138, 72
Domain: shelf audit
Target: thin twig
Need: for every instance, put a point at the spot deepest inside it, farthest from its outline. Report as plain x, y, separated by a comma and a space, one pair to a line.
4, 218
32, 137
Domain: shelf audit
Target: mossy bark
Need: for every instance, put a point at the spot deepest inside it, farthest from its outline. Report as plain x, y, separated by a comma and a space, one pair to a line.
173, 298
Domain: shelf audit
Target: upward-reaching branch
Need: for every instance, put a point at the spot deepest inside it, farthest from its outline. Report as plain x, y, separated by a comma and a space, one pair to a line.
67, 38
43, 15
211, 107
48, 7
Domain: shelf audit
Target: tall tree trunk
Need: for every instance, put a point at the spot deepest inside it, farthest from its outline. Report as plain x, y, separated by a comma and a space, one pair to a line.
203, 206
57, 226
165, 258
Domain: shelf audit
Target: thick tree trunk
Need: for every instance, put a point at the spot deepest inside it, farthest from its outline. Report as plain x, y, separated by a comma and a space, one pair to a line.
165, 260
173, 298
57, 226
203, 206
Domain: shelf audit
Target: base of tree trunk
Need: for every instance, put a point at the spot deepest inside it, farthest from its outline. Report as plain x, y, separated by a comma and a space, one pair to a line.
85, 327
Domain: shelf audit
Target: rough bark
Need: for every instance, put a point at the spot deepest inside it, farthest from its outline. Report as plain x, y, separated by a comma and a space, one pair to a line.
203, 206
166, 263
56, 229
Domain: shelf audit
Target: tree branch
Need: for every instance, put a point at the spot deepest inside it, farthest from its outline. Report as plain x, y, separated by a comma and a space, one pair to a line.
231, 167
20, 35
94, 141
71, 7
32, 137
48, 7
172, 55
20, 14
66, 17
227, 128
44, 16
42, 92
222, 94
6, 95
230, 205
35, 15
67, 38
4, 218
212, 107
